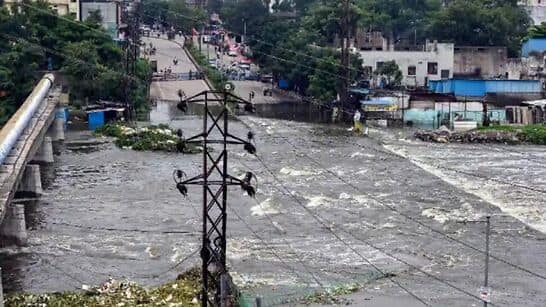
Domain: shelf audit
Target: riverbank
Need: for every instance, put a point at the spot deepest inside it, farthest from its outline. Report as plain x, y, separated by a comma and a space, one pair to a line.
501, 134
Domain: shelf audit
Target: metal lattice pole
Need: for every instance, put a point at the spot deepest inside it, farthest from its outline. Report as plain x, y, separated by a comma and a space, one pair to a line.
215, 181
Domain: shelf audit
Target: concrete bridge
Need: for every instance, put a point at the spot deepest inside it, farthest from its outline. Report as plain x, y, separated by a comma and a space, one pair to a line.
26, 142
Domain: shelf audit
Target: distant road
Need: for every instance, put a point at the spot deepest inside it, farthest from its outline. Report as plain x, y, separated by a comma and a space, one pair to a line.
166, 52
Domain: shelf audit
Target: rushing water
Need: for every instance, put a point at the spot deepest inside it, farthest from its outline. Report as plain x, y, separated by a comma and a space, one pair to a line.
113, 212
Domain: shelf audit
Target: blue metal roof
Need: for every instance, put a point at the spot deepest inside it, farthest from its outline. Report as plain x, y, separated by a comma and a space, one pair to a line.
379, 101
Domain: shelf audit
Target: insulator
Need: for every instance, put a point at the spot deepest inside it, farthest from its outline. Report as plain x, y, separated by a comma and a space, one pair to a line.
251, 149
179, 133
250, 135
182, 106
181, 146
182, 189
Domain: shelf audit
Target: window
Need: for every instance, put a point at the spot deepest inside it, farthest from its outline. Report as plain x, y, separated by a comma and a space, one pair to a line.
379, 65
445, 73
432, 68
412, 71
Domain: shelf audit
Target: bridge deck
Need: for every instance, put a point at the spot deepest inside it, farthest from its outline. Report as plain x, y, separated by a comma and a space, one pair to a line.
25, 148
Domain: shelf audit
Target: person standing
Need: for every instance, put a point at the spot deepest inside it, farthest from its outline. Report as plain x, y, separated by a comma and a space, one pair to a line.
356, 122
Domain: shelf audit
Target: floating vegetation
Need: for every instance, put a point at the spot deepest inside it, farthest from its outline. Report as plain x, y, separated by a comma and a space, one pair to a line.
182, 292
150, 138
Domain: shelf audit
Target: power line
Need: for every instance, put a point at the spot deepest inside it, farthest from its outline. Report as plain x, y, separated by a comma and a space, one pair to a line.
412, 218
120, 229
83, 25
258, 40
287, 193
409, 217
268, 246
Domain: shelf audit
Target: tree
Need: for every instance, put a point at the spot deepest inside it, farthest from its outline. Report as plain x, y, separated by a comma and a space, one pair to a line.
536, 31
483, 22
391, 72
94, 17
252, 12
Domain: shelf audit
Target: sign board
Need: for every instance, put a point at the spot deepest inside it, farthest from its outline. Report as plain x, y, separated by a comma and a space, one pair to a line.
485, 294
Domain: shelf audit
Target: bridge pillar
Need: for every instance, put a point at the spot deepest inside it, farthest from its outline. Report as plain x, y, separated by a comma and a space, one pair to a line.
57, 128
31, 183
45, 152
14, 229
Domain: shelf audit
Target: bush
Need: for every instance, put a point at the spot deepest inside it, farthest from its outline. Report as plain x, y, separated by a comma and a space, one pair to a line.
535, 134
154, 138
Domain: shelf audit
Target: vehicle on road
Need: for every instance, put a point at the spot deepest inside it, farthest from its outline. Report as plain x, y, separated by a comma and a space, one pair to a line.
244, 66
213, 63
268, 78
232, 53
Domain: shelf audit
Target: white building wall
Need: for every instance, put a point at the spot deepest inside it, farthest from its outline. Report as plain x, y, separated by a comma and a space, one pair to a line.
443, 54
536, 9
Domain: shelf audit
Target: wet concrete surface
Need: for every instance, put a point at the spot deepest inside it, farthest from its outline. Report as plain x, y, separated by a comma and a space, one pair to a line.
111, 212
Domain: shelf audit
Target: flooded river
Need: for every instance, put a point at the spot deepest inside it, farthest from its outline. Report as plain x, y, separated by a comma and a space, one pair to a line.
113, 212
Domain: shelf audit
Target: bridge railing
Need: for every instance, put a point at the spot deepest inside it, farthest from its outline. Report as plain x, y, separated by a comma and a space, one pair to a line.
17, 124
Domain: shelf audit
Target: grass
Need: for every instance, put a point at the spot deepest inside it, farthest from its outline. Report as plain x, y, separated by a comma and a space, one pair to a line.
183, 291
535, 134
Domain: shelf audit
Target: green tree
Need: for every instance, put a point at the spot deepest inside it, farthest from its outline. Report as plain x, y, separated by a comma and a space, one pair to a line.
235, 13
94, 17
536, 31
481, 22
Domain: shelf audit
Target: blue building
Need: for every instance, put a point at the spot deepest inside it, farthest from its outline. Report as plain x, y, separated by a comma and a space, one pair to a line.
533, 45
480, 88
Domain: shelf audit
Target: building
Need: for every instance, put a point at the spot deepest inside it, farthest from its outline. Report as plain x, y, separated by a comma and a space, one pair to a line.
480, 62
434, 61
536, 10
63, 7
109, 10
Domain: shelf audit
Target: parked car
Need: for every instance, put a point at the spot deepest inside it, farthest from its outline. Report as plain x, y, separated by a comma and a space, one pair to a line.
266, 78
213, 63
244, 66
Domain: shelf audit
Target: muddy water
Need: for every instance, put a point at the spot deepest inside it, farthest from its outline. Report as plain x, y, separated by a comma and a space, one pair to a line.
111, 212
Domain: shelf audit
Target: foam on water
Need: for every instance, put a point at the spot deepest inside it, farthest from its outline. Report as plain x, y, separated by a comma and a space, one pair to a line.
265, 207
494, 193
294, 172
319, 201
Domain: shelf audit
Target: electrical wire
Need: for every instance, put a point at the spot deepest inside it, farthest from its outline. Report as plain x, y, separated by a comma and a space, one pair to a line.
316, 217
83, 25
120, 229
409, 217
258, 40
414, 219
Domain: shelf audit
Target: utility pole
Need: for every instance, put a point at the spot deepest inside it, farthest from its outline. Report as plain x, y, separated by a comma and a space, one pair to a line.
345, 57
215, 181
486, 281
